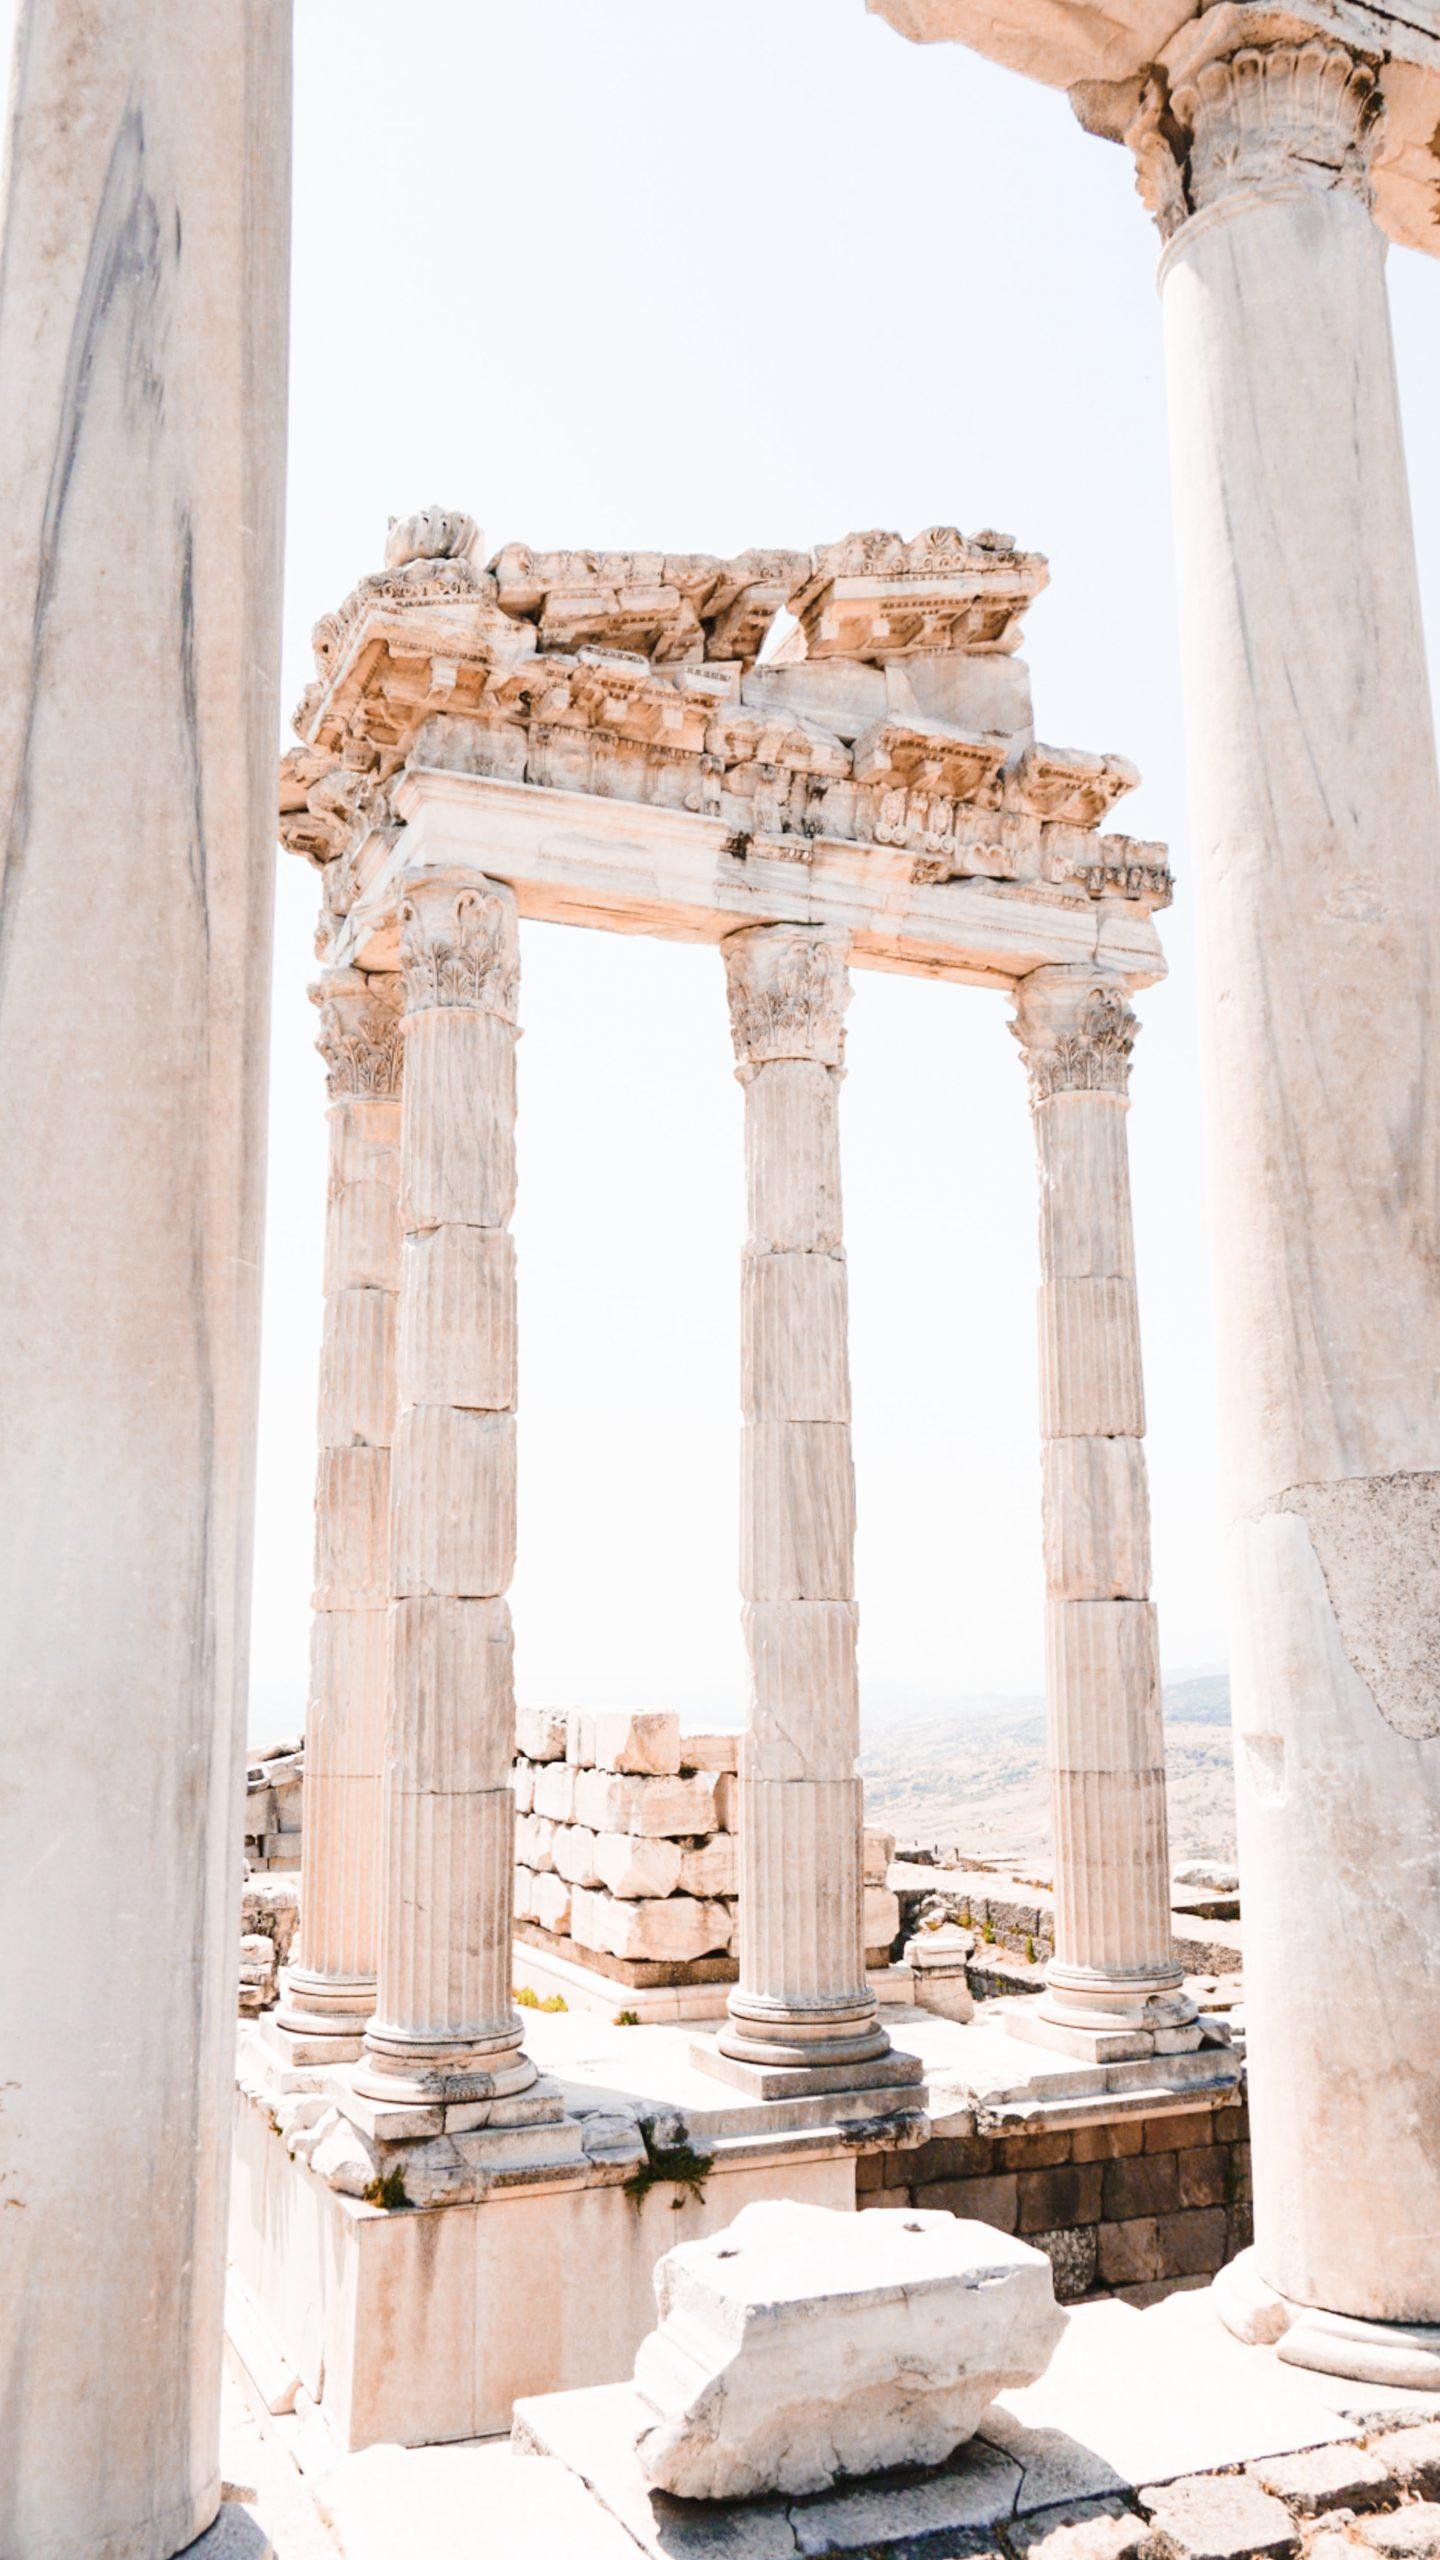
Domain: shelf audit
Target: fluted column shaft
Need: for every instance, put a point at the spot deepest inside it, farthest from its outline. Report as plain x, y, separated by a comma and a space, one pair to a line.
1114, 1972
802, 1996
330, 1990
445, 2025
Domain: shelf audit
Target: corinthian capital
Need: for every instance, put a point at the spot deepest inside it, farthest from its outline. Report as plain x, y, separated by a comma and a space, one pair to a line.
1076, 1032
788, 988
460, 945
1255, 101
359, 1036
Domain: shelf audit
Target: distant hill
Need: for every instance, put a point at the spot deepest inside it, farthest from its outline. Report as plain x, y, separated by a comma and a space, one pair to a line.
970, 1772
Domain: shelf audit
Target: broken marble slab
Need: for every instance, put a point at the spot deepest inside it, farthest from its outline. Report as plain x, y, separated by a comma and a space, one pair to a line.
801, 2346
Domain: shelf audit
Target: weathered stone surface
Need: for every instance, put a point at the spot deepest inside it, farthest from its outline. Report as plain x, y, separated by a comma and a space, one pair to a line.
574, 1854
639, 1869
637, 1745
1218, 2519
802, 2346
656, 1932
540, 1733
1412, 2457
1332, 2475
1091, 2529
550, 1903
710, 1868
1411, 2533
878, 1851
649, 1808
555, 1782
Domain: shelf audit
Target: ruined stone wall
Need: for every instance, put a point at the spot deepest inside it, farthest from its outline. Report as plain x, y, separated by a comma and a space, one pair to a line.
1112, 2205
626, 1853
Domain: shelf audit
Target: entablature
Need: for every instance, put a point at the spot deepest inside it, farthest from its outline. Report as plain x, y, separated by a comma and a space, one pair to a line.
885, 749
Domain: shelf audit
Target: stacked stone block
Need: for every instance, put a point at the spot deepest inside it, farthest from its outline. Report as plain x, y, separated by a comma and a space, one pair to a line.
625, 1844
626, 1850
274, 1782
1134, 2201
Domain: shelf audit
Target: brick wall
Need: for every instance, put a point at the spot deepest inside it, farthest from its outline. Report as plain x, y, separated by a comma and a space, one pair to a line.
1112, 2205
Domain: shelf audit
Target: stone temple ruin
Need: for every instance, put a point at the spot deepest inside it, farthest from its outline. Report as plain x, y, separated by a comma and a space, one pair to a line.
603, 739
904, 2243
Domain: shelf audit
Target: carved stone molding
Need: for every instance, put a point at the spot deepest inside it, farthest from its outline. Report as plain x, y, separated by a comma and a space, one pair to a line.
459, 944
1301, 111
788, 988
1076, 1033
435, 533
359, 1037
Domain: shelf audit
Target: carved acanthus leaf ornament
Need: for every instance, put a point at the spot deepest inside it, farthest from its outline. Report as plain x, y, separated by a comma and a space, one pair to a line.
1263, 115
359, 1036
788, 988
460, 947
1081, 1044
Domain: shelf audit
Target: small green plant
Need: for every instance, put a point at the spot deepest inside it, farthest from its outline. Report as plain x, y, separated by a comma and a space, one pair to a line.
669, 2164
388, 2191
987, 1930
966, 1916
627, 2018
1030, 1955
525, 1998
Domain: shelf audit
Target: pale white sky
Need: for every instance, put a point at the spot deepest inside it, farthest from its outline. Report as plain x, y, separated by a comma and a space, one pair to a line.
697, 274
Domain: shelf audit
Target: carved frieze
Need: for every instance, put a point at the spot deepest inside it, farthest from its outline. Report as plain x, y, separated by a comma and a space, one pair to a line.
359, 1036
459, 946
788, 987
877, 597
1076, 1033
433, 662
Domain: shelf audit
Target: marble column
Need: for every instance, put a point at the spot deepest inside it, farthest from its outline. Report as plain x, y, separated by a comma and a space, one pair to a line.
329, 1992
1316, 830
802, 2004
445, 2026
143, 293
1114, 1989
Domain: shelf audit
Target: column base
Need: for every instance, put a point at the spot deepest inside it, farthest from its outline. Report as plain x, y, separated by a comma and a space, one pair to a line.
1394, 2354
1108, 2018
892, 2079
400, 2071
322, 2019
788, 2049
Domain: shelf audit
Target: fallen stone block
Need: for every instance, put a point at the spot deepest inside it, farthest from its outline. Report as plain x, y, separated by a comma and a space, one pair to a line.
882, 1917
802, 2346
1218, 2519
